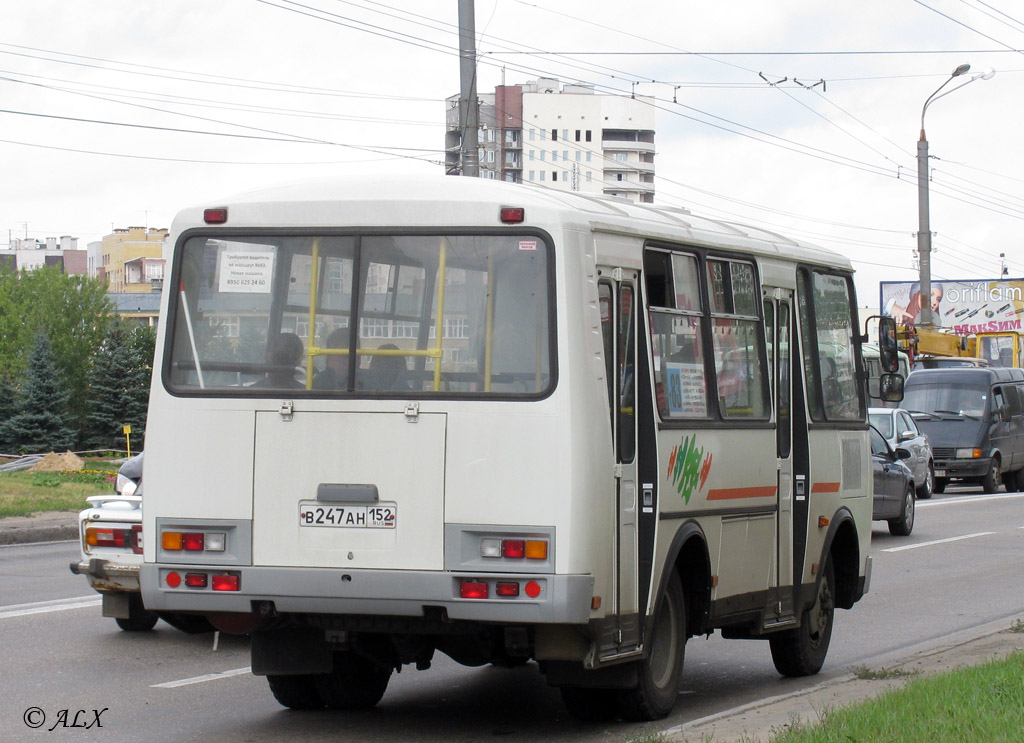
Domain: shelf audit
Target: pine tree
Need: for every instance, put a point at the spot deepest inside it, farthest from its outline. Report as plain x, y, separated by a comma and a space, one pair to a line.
119, 387
8, 407
42, 422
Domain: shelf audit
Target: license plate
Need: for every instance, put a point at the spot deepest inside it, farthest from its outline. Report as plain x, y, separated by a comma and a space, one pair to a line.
379, 516
940, 473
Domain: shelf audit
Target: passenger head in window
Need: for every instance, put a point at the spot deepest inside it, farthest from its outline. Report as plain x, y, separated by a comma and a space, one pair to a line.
335, 373
284, 352
385, 372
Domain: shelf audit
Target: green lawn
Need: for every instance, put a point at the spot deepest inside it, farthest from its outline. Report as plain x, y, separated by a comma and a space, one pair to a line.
25, 493
983, 704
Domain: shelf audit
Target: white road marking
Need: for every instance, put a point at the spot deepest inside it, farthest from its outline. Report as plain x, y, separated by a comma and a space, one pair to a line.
938, 541
966, 499
45, 607
201, 679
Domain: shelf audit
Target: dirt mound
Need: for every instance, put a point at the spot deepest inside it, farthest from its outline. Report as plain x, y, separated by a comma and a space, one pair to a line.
66, 462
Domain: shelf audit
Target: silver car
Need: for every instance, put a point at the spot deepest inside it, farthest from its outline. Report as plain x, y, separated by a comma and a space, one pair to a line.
898, 428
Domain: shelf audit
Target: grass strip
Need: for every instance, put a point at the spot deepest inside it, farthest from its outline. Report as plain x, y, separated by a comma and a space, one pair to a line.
978, 703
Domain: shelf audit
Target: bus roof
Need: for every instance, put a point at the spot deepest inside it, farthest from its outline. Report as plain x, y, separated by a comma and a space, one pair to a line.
428, 201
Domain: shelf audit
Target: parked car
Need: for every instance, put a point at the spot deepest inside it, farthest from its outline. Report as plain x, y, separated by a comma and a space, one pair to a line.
899, 429
894, 498
110, 539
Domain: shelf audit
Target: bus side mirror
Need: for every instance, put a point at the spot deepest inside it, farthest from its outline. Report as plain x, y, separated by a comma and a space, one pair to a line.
890, 387
888, 351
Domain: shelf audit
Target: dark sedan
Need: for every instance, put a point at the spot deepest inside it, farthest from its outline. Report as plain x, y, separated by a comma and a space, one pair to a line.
895, 497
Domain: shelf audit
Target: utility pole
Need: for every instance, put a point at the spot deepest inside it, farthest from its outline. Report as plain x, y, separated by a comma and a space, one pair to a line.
469, 113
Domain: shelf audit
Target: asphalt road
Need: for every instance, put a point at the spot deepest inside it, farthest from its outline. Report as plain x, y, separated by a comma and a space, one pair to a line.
960, 569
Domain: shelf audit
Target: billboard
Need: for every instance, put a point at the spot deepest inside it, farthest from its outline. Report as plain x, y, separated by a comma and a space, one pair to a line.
964, 306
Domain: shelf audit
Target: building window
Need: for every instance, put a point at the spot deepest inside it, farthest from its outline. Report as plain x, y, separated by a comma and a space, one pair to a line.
577, 135
531, 154
531, 175
621, 157
554, 135
554, 175
577, 155
531, 134
554, 156
542, 155
543, 173
588, 156
588, 135
618, 176
565, 135
588, 175
225, 326
565, 155
490, 156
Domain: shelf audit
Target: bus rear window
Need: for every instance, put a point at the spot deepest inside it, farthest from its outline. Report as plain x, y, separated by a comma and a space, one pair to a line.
335, 315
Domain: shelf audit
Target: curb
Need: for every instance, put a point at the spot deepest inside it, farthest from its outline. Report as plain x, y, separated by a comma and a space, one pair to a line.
55, 527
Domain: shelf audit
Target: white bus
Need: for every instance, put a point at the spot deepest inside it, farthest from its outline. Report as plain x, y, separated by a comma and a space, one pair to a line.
392, 417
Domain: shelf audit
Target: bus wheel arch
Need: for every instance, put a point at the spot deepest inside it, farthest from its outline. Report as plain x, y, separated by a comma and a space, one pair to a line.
688, 558
842, 550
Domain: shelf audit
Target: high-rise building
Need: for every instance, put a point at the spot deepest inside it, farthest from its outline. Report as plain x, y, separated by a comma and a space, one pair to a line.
566, 137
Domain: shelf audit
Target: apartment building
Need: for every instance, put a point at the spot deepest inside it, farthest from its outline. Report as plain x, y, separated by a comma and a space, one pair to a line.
562, 136
132, 260
30, 254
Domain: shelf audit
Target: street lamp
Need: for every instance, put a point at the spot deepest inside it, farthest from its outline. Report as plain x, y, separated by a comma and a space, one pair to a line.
924, 234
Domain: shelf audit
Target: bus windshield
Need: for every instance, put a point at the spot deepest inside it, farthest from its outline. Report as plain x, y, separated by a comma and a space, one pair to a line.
261, 314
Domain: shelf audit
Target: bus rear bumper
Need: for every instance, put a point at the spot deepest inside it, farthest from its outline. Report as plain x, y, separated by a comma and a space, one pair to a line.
538, 599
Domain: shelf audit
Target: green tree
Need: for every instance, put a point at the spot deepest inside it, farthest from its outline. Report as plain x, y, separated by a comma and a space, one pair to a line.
119, 386
42, 422
8, 408
74, 313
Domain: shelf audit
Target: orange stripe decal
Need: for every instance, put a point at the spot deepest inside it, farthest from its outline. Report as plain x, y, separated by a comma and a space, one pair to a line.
767, 491
825, 487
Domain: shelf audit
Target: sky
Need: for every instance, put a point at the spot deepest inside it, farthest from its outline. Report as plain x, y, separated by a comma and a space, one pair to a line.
797, 116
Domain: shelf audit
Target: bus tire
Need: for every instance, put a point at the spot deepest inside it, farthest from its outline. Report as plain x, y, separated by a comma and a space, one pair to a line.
940, 485
802, 651
590, 705
902, 525
661, 671
355, 683
993, 479
139, 618
296, 692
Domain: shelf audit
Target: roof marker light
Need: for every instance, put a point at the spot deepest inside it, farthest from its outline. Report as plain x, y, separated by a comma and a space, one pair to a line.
215, 216
512, 214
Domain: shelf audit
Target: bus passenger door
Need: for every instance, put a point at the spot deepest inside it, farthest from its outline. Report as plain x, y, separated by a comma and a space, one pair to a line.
619, 322
778, 330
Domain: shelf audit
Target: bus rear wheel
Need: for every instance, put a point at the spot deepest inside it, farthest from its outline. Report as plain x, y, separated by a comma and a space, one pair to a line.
355, 683
296, 692
661, 671
802, 651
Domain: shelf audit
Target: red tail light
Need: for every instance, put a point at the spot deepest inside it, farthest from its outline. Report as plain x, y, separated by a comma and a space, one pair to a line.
226, 582
192, 541
472, 589
506, 589
196, 580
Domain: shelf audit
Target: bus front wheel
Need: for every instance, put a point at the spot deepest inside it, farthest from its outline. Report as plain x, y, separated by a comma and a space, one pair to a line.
802, 651
660, 672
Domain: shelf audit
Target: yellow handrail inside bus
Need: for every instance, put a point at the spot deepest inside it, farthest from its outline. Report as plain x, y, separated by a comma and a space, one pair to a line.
439, 323
310, 347
489, 329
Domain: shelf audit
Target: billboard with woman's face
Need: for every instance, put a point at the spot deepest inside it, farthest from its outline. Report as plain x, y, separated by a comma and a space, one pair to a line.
963, 306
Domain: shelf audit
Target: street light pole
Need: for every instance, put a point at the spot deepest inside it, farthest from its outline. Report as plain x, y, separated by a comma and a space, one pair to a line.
924, 234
